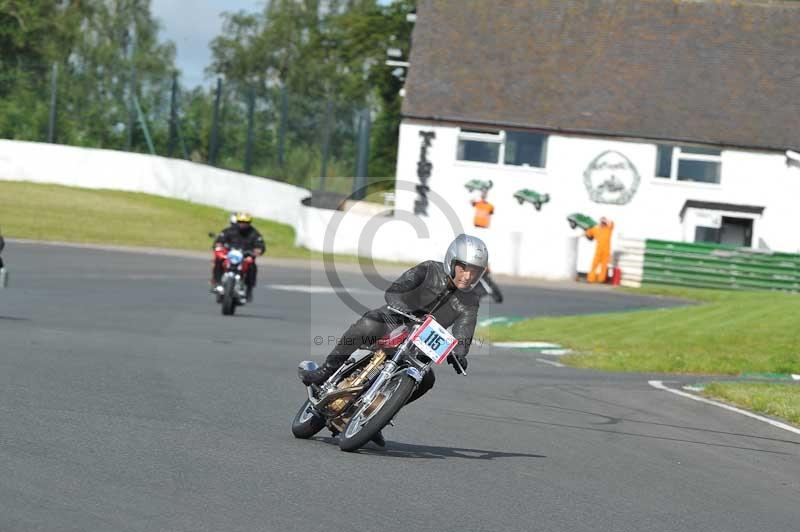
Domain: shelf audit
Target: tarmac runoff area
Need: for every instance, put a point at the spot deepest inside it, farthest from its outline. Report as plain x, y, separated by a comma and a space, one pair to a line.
551, 349
127, 402
661, 386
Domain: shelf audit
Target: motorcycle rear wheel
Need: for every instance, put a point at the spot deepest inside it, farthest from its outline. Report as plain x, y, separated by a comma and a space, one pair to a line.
228, 297
371, 418
307, 422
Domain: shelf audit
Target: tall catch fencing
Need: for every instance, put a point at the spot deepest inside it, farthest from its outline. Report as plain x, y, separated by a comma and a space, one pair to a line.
262, 131
706, 266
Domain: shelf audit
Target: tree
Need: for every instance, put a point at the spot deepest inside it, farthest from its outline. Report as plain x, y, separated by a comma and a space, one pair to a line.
97, 45
33, 35
328, 59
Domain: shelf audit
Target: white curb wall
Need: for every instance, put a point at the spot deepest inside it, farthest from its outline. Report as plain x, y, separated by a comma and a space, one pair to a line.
39, 162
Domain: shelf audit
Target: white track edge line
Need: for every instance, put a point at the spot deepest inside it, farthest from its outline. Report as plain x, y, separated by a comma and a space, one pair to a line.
660, 385
552, 363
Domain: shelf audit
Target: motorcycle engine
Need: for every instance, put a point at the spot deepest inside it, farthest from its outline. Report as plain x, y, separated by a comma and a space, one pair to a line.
358, 378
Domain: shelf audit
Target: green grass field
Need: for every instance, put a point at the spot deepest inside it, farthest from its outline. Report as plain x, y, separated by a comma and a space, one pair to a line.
722, 333
727, 333
779, 400
56, 213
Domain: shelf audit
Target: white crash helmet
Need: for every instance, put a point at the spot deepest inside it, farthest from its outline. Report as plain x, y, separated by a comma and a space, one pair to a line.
469, 250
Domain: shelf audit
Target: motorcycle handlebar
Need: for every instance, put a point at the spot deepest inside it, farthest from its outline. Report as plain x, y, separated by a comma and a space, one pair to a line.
409, 316
226, 247
461, 370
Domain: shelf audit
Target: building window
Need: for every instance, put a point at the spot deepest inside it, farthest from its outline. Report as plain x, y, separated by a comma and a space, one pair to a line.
480, 146
478, 151
525, 149
706, 235
513, 148
686, 163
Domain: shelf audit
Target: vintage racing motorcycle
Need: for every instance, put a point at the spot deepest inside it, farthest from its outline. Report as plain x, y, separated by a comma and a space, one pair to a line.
365, 394
232, 291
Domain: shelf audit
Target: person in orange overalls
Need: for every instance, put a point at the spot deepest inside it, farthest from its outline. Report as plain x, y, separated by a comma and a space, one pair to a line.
483, 211
602, 235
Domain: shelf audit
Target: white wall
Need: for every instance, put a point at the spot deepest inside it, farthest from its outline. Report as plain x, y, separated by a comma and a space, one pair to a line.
172, 178
414, 239
748, 178
521, 240
354, 233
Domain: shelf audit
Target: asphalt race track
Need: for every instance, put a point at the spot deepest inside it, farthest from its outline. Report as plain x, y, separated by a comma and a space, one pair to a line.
128, 402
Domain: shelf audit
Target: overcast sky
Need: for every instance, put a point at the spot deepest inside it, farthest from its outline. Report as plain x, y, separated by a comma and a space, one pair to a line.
191, 25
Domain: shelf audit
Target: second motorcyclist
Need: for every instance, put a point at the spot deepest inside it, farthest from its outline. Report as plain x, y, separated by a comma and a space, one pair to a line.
241, 235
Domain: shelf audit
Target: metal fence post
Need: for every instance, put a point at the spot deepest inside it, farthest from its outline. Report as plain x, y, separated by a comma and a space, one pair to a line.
51, 123
248, 148
326, 144
173, 116
363, 155
284, 119
131, 92
213, 143
143, 123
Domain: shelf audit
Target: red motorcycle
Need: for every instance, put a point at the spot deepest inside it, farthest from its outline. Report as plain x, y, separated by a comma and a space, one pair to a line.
233, 290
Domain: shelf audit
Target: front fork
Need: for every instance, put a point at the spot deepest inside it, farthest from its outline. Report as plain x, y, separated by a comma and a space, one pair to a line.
390, 370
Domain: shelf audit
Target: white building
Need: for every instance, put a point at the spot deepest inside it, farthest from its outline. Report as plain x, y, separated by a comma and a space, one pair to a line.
672, 118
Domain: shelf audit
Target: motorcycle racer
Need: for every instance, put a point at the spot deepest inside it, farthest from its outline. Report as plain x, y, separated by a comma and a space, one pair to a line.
243, 236
443, 289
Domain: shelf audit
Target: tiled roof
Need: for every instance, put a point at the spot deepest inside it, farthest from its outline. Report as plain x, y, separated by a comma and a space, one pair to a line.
715, 72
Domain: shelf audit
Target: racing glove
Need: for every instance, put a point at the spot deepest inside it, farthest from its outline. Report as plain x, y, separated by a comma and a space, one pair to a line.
462, 359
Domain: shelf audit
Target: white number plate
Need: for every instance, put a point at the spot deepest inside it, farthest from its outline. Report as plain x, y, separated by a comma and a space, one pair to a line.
434, 340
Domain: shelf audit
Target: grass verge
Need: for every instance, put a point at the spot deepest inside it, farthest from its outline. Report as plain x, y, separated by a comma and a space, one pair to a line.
773, 399
67, 214
728, 333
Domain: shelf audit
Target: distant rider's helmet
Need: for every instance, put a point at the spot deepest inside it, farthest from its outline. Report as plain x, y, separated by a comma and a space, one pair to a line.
243, 220
470, 252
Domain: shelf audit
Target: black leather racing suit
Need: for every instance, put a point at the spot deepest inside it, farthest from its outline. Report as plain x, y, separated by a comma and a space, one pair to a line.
424, 289
247, 240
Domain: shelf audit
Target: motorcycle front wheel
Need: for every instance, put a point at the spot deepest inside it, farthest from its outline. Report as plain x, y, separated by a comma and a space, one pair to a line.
371, 418
228, 302
307, 422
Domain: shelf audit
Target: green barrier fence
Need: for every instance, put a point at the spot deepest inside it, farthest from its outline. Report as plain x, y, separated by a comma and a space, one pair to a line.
717, 266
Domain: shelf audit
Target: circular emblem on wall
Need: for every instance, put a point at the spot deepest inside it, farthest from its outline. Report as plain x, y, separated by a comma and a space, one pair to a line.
611, 178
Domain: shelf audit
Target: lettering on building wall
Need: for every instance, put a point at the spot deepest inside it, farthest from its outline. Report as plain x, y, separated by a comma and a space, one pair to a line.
424, 169
611, 178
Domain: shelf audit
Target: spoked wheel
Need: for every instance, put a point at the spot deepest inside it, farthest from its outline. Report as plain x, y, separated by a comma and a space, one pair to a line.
371, 418
228, 302
307, 422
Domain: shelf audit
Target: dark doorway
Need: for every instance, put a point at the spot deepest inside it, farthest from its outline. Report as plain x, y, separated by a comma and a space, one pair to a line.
736, 232
732, 232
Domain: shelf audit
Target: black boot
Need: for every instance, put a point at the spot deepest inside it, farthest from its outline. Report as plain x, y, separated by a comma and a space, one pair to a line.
378, 439
322, 373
